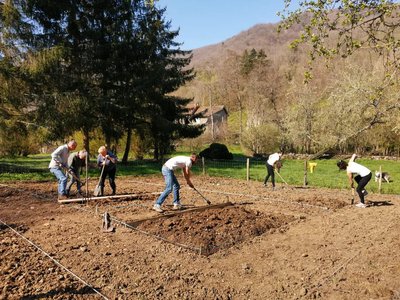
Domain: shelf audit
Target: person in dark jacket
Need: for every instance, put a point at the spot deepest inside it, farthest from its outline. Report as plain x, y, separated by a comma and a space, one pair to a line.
76, 161
109, 161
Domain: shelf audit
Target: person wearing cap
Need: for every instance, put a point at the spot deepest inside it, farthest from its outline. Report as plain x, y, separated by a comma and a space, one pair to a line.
362, 178
58, 163
171, 183
76, 161
273, 160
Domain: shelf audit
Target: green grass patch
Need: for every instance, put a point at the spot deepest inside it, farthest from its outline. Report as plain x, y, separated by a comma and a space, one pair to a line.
326, 173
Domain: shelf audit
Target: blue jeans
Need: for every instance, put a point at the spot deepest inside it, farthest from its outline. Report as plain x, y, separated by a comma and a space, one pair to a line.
171, 184
62, 180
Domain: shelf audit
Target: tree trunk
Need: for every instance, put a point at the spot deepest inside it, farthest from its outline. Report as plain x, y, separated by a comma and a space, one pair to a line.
240, 123
128, 145
156, 150
108, 141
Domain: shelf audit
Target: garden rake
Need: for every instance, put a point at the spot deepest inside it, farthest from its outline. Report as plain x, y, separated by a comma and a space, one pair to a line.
205, 199
282, 178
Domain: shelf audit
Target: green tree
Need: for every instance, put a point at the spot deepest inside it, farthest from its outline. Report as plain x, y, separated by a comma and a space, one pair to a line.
102, 64
165, 70
338, 29
341, 27
16, 125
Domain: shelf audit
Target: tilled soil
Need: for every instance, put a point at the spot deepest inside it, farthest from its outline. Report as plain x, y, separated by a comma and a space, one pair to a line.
250, 243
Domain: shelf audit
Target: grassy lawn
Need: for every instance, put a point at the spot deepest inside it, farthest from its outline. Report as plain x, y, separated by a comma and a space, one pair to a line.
326, 173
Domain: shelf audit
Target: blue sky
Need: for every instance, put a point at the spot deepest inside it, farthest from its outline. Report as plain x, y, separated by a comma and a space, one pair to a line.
206, 22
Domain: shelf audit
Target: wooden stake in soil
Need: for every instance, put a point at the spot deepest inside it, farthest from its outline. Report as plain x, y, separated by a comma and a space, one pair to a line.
305, 182
104, 197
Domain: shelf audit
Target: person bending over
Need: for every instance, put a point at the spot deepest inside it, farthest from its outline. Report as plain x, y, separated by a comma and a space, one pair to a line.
273, 159
363, 176
171, 183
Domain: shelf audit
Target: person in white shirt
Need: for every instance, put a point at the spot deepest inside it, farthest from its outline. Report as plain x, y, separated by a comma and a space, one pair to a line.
171, 183
271, 162
362, 178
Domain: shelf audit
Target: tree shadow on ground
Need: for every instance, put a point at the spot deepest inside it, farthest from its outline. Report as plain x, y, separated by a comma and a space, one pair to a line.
16, 169
69, 290
379, 203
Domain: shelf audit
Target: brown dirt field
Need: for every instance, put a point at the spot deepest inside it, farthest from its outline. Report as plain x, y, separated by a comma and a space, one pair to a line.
251, 243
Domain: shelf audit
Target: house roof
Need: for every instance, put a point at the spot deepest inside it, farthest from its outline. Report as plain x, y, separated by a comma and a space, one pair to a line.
206, 111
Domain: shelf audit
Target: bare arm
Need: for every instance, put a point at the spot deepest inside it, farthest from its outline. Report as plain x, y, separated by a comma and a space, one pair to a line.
353, 158
186, 174
350, 177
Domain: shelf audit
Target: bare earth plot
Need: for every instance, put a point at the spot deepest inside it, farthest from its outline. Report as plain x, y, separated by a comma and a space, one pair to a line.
250, 243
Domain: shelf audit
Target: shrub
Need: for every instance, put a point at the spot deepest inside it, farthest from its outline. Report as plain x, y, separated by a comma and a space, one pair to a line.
216, 151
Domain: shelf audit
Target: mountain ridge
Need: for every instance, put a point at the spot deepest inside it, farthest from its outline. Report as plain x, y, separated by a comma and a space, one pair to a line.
260, 36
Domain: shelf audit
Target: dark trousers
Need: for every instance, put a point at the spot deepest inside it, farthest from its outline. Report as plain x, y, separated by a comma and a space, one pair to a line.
111, 179
72, 180
270, 170
361, 183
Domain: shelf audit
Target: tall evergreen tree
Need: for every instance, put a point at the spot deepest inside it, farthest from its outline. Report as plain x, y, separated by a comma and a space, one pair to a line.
165, 71
102, 64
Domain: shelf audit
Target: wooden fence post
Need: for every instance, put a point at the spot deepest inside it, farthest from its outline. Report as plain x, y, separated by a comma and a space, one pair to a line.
248, 169
380, 179
305, 182
203, 165
87, 174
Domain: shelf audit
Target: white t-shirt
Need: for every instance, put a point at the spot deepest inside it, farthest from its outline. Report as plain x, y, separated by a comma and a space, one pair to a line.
273, 158
178, 162
356, 168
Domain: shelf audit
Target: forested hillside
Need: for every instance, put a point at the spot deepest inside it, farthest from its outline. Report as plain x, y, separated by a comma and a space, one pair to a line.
263, 82
114, 74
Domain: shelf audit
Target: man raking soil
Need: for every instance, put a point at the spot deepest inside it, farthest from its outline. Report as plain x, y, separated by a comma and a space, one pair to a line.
171, 183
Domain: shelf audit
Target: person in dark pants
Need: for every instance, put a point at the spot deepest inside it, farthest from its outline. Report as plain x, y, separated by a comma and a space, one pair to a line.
76, 161
273, 160
107, 159
362, 178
